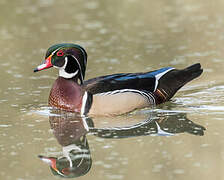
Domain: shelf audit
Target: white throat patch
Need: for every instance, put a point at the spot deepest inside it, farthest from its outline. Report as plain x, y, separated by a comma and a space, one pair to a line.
63, 73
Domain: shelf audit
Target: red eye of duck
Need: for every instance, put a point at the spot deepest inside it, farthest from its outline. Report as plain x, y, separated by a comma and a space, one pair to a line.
60, 53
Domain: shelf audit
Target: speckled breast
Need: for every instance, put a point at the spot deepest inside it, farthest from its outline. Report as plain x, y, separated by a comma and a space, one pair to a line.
66, 94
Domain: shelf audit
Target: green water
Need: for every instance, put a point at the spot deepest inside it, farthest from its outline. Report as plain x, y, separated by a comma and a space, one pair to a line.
119, 36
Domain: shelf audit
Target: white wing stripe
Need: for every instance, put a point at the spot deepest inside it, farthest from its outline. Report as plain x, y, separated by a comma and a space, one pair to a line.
158, 76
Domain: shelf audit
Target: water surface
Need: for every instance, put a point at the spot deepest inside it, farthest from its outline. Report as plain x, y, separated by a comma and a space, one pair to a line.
119, 36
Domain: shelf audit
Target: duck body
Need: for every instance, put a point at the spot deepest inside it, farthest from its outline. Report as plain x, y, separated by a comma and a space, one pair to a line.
111, 94
124, 92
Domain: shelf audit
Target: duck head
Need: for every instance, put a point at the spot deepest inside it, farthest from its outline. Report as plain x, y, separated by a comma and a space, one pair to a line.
76, 160
70, 59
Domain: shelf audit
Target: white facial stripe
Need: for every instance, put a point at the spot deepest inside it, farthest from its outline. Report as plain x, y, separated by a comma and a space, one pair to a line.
54, 51
79, 67
84, 54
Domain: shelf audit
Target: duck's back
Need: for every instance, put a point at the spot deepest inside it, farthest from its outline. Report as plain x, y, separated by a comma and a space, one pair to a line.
139, 81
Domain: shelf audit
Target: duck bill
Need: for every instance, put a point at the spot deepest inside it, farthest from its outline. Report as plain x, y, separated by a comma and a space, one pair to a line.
47, 64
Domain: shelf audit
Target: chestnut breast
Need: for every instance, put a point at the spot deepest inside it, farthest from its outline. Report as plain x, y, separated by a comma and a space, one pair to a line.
66, 94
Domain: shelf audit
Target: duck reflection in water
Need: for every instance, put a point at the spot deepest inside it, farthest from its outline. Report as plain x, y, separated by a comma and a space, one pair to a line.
70, 131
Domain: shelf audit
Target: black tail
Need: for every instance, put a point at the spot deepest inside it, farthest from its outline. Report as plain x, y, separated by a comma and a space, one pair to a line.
171, 82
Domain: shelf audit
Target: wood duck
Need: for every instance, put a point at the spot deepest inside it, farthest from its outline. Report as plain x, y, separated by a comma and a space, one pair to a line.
111, 94
70, 132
